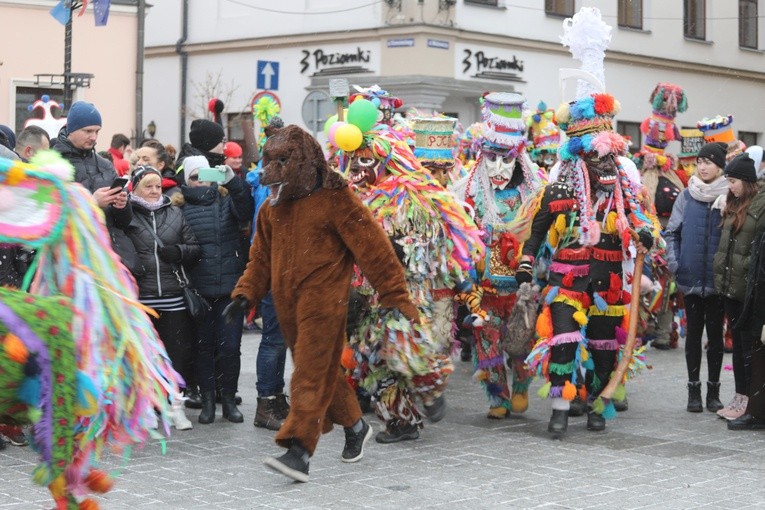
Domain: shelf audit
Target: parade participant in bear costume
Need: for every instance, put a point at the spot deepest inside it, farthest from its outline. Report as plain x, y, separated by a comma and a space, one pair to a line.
309, 235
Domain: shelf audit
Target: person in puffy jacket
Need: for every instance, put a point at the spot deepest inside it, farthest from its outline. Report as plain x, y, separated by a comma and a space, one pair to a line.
743, 217
693, 235
161, 270
215, 213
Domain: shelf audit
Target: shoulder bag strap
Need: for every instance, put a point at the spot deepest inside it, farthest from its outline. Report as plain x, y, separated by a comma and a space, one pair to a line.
184, 282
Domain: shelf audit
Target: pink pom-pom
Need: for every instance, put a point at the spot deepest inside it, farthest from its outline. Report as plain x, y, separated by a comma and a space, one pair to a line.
608, 142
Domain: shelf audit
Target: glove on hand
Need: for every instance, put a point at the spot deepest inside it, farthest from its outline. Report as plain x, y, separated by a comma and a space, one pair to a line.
524, 273
239, 305
170, 254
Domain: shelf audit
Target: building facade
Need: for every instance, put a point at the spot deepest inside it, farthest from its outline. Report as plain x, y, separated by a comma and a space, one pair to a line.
441, 55
103, 60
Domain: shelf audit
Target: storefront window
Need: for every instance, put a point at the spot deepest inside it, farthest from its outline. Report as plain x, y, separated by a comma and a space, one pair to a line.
747, 23
695, 19
631, 132
495, 3
748, 137
26, 96
563, 8
631, 13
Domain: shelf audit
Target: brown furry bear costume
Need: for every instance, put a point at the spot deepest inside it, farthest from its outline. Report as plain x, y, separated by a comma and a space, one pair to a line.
308, 238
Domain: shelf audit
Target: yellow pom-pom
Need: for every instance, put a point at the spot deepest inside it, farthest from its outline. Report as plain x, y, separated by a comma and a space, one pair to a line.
580, 318
562, 114
544, 390
611, 223
520, 402
14, 176
584, 354
569, 391
620, 393
15, 348
617, 106
57, 487
552, 237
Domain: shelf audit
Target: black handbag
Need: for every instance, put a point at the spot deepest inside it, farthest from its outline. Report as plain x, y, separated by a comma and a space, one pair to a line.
197, 306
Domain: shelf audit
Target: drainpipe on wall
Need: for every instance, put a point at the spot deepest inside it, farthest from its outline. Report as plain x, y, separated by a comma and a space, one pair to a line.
184, 66
141, 14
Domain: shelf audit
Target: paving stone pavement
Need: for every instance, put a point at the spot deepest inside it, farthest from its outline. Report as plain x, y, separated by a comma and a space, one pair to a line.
654, 456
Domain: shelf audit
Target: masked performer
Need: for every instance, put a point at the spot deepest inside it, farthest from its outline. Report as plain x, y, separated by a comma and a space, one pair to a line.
502, 178
545, 137
585, 216
436, 242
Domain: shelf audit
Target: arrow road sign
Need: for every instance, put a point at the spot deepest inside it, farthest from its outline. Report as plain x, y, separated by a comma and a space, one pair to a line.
268, 75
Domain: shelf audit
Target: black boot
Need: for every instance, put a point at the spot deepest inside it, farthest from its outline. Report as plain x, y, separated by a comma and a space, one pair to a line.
713, 397
595, 422
694, 397
208, 407
293, 464
558, 423
230, 411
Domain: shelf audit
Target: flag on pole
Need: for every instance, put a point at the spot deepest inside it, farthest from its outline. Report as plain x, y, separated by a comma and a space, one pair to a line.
82, 9
61, 12
101, 11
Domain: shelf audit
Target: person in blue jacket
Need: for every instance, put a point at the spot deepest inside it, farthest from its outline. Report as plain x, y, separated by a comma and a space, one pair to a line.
693, 235
273, 405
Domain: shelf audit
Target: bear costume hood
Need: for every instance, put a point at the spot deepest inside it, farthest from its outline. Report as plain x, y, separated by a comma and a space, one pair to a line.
294, 165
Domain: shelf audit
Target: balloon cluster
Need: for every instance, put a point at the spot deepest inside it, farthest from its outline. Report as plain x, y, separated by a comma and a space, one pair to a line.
348, 135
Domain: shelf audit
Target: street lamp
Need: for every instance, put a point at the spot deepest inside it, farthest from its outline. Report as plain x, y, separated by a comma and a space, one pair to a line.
151, 128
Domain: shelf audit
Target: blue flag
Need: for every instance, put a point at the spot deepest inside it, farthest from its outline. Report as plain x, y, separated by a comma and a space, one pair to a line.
101, 11
61, 12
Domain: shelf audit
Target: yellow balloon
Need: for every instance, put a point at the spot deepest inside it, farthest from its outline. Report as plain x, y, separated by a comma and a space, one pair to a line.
348, 137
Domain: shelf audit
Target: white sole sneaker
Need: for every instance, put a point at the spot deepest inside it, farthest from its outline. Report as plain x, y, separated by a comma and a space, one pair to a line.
367, 437
274, 464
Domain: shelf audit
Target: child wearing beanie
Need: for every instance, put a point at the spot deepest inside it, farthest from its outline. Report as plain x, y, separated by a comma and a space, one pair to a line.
743, 219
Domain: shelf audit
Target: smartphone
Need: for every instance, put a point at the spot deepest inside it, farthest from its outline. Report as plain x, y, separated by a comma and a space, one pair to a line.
119, 182
212, 175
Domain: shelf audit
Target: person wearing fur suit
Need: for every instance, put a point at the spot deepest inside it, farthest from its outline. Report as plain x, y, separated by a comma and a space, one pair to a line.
585, 215
502, 178
309, 235
436, 241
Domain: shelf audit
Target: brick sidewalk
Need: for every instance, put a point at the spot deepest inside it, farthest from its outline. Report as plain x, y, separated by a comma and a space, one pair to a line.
656, 455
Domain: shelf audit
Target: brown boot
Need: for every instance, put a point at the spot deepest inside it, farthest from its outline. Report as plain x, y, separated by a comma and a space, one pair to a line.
268, 413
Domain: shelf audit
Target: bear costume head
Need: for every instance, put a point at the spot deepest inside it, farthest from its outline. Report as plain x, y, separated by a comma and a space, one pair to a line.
294, 165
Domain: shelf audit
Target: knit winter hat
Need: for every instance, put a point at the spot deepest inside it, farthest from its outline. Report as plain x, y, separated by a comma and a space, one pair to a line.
232, 150
755, 152
714, 152
742, 167
192, 164
205, 134
140, 173
82, 115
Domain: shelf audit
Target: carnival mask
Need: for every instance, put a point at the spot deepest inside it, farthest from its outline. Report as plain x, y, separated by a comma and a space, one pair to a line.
500, 169
363, 170
549, 159
602, 171
440, 171
294, 165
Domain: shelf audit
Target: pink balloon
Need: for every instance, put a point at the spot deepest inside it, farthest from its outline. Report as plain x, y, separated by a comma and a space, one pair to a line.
332, 130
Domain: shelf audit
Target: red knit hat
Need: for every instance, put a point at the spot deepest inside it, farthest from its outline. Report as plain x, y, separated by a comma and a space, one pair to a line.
232, 150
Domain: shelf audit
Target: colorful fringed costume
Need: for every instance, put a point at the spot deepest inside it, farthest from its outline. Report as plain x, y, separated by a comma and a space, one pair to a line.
502, 179
436, 242
664, 180
545, 136
586, 215
79, 358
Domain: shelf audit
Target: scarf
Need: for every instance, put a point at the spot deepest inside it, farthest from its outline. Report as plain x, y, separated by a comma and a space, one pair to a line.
150, 206
707, 191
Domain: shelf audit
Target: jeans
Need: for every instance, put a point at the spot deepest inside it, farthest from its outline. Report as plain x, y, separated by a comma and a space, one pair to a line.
215, 335
272, 353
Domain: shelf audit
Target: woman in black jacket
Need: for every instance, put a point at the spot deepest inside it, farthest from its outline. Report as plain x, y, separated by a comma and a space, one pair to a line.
215, 214
160, 269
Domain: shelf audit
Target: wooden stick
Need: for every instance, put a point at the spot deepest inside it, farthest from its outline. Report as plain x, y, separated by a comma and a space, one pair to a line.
629, 345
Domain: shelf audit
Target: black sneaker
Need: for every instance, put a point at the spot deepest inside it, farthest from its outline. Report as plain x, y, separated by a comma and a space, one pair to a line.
621, 405
437, 410
395, 432
354, 442
193, 399
290, 464
558, 423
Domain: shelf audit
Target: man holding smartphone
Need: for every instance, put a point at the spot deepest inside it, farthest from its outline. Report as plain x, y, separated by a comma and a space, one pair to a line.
76, 142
